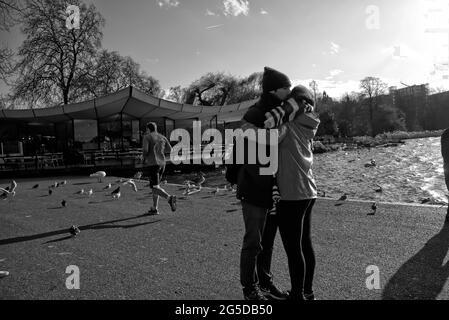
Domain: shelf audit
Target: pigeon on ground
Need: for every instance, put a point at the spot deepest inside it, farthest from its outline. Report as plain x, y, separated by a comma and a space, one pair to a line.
138, 175
80, 192
374, 207
116, 193
426, 200
74, 230
215, 192
36, 186
50, 192
4, 274
63, 203
109, 186
131, 183
378, 189
99, 174
344, 197
7, 193
63, 183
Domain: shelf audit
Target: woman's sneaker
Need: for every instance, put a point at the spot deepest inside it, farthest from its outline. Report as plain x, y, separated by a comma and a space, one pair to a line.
254, 294
309, 296
271, 292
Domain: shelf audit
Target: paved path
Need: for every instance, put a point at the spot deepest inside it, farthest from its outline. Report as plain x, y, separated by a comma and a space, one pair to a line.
194, 253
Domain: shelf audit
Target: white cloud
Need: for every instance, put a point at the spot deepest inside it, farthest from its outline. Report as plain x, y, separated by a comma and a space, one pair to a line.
168, 3
335, 72
335, 89
236, 7
210, 13
335, 48
215, 26
263, 11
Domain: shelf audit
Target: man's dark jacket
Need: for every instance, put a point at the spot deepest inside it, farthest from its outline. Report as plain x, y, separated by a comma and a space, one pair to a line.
253, 187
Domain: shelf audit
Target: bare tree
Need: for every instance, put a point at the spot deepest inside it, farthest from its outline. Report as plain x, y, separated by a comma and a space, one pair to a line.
54, 58
217, 89
176, 94
314, 86
10, 11
108, 72
372, 88
10, 15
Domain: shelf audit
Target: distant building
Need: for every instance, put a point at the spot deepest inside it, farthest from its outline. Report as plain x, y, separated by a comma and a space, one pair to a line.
439, 110
413, 101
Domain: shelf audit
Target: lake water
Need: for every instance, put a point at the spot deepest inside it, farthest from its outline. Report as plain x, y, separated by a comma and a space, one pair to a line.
407, 173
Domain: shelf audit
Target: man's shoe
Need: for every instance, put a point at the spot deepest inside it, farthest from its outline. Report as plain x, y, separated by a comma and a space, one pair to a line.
172, 202
153, 212
255, 294
272, 292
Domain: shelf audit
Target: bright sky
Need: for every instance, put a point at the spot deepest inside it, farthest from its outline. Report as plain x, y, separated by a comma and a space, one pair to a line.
336, 43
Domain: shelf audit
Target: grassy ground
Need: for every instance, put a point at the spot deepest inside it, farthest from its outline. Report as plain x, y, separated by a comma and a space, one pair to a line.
194, 252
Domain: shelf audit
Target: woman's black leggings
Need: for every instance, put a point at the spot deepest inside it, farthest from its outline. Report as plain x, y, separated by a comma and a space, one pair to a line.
294, 219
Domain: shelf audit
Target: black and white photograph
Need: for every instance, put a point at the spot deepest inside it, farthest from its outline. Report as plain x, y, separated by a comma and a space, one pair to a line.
263, 154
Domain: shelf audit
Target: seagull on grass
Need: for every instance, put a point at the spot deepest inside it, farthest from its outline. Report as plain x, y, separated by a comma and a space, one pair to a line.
90, 192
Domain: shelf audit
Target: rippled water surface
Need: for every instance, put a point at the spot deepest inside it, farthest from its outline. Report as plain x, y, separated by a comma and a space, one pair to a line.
407, 173
410, 172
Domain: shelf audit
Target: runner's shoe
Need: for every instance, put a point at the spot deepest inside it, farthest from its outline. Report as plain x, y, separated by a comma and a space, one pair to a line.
172, 202
153, 212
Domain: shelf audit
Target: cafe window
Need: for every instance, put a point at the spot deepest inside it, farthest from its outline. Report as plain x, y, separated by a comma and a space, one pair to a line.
86, 134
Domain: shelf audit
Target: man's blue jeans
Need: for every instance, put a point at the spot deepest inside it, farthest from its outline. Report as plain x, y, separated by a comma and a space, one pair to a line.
257, 248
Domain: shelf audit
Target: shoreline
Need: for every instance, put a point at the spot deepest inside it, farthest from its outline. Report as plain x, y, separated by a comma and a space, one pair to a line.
390, 139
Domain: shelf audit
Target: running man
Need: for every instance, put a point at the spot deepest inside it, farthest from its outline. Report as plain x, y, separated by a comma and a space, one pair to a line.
155, 145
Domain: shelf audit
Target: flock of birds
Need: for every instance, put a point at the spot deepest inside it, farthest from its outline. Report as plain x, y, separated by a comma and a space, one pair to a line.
196, 185
192, 186
10, 191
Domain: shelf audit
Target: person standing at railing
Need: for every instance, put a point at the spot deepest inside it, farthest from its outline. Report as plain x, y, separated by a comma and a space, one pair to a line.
155, 145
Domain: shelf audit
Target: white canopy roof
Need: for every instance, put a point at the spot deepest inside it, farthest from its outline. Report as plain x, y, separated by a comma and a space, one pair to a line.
133, 104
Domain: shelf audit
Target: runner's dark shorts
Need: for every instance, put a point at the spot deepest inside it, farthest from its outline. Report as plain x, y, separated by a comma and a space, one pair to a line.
155, 174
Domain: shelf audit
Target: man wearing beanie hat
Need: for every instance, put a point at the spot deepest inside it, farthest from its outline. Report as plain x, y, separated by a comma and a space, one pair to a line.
273, 80
255, 192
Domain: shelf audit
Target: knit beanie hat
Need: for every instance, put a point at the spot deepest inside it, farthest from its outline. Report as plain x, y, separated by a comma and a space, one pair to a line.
300, 92
273, 80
